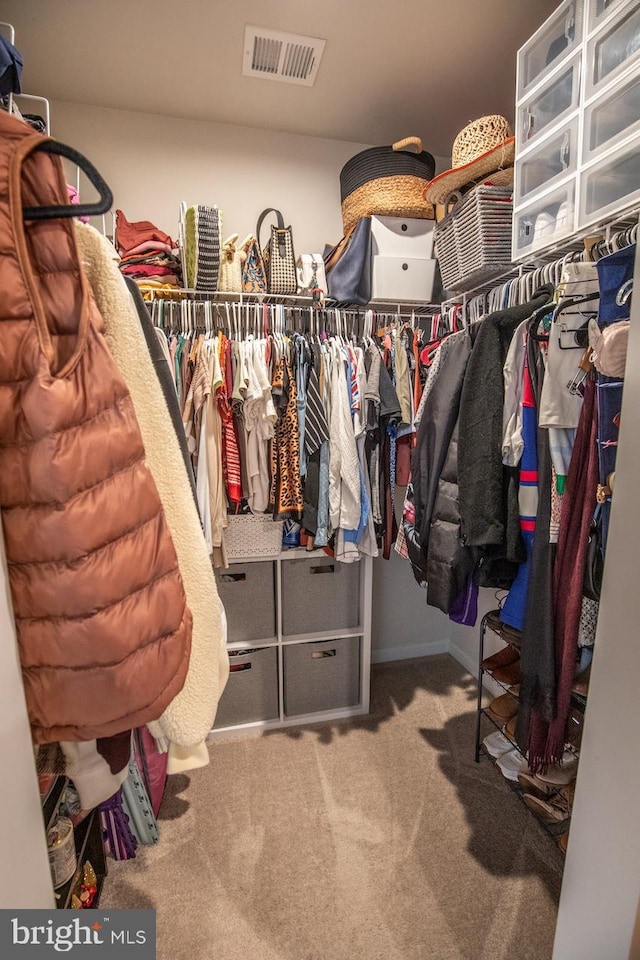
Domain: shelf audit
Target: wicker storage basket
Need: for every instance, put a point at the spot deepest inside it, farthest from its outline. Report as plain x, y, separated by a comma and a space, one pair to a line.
387, 181
473, 242
252, 536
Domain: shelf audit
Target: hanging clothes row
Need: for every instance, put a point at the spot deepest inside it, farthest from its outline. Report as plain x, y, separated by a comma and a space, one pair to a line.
303, 414
517, 434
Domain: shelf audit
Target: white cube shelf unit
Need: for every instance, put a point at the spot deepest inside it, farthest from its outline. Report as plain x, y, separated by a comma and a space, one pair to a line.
299, 640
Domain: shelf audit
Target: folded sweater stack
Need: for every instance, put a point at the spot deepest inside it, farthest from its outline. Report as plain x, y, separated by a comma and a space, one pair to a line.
148, 254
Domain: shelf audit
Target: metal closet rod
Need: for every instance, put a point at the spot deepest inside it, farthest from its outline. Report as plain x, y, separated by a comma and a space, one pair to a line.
292, 302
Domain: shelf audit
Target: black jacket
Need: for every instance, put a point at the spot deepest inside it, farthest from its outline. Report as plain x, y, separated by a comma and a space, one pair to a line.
488, 514
434, 432
449, 562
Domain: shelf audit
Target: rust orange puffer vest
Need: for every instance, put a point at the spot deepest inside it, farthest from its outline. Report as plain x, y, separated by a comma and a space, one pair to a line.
103, 627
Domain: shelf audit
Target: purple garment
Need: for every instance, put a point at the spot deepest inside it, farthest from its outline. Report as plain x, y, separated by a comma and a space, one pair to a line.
465, 608
118, 838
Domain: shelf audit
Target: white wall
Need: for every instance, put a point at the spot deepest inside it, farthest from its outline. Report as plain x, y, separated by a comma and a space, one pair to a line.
25, 880
601, 884
152, 163
402, 625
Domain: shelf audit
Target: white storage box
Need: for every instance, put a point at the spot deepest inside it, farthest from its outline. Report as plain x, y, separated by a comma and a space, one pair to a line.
556, 39
614, 48
398, 237
544, 222
611, 186
612, 118
549, 105
598, 10
401, 278
540, 168
321, 676
251, 693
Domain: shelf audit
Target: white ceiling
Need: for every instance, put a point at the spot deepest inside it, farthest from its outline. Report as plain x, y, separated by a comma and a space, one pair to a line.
391, 68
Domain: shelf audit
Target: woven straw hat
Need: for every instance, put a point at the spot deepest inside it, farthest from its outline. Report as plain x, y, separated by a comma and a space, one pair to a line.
486, 146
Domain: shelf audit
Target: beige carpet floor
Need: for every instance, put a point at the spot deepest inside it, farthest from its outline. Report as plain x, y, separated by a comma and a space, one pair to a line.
377, 838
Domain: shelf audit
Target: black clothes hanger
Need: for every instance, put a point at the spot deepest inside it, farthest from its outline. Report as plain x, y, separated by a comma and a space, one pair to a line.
67, 210
535, 319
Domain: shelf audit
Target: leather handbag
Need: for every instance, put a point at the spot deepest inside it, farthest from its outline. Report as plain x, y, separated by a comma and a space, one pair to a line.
594, 561
279, 257
254, 277
348, 265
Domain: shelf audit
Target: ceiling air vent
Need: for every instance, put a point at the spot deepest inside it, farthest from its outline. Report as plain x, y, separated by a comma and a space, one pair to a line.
273, 55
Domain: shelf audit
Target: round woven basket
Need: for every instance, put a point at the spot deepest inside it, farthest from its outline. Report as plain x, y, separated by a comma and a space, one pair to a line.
387, 181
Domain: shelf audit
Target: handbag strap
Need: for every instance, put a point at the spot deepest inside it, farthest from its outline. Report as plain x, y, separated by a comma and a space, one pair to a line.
280, 227
334, 254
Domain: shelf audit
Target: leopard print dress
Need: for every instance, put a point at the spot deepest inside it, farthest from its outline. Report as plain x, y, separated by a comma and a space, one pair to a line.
286, 496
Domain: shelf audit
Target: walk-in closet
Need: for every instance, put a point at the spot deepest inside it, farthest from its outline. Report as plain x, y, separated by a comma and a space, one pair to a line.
319, 359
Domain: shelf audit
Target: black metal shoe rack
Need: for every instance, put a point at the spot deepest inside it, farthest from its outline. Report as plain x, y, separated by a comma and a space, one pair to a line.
555, 830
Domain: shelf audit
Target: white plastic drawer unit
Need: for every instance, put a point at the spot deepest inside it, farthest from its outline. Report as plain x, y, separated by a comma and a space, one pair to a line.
321, 676
551, 104
614, 48
599, 10
251, 693
319, 595
556, 39
611, 185
612, 118
247, 592
542, 166
402, 237
402, 278
544, 222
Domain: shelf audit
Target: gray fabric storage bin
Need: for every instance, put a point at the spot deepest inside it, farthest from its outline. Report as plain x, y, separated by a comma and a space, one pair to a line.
319, 594
247, 591
321, 675
251, 692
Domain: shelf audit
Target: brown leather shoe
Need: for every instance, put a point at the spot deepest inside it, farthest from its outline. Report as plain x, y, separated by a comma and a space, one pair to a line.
503, 708
554, 810
510, 728
563, 841
508, 675
536, 788
502, 658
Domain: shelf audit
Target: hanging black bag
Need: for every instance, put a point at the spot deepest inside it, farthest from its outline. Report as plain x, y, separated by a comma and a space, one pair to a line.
594, 561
